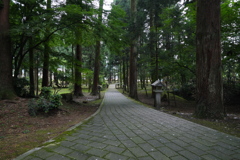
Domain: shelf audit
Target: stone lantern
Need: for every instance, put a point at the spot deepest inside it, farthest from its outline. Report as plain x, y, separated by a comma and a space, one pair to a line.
157, 89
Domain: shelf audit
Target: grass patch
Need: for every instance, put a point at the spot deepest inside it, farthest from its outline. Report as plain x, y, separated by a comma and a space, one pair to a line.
62, 91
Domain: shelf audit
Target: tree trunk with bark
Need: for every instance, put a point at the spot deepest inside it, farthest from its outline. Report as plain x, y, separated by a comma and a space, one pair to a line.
151, 46
133, 54
78, 73
97, 53
31, 69
209, 79
6, 81
125, 71
96, 69
45, 80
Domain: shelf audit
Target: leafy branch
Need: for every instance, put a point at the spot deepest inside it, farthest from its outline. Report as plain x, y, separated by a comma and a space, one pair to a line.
184, 66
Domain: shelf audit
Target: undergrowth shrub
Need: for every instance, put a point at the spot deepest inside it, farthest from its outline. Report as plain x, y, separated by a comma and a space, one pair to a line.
46, 103
55, 101
21, 87
186, 91
46, 92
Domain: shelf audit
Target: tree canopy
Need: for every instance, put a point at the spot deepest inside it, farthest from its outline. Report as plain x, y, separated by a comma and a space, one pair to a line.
57, 43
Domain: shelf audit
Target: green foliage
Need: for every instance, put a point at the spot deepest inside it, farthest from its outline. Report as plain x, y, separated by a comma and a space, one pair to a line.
46, 102
21, 87
33, 107
46, 92
187, 91
55, 101
173, 38
115, 37
1, 4
230, 40
177, 52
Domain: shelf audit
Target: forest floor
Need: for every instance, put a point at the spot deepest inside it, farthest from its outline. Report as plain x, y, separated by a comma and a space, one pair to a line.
185, 109
20, 132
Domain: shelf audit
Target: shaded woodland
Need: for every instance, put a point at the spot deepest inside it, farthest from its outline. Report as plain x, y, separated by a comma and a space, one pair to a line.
192, 47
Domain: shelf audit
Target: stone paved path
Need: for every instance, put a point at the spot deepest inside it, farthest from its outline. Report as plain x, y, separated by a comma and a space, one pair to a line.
126, 130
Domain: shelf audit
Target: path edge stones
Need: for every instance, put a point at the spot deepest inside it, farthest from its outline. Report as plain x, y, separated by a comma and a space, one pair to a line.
87, 119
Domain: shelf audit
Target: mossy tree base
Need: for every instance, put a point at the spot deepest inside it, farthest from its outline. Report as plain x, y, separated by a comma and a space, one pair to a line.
7, 94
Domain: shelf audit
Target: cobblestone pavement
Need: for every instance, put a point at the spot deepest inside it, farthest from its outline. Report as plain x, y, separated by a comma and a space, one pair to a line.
126, 130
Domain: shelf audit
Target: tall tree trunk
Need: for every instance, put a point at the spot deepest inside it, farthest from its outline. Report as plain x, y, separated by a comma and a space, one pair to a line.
96, 69
124, 74
78, 61
36, 79
156, 55
127, 71
133, 53
31, 69
120, 75
6, 83
209, 79
19, 59
45, 80
109, 74
89, 75
73, 64
78, 73
97, 53
151, 45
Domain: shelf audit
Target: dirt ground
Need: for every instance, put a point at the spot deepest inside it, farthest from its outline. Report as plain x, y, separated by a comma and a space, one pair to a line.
20, 132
